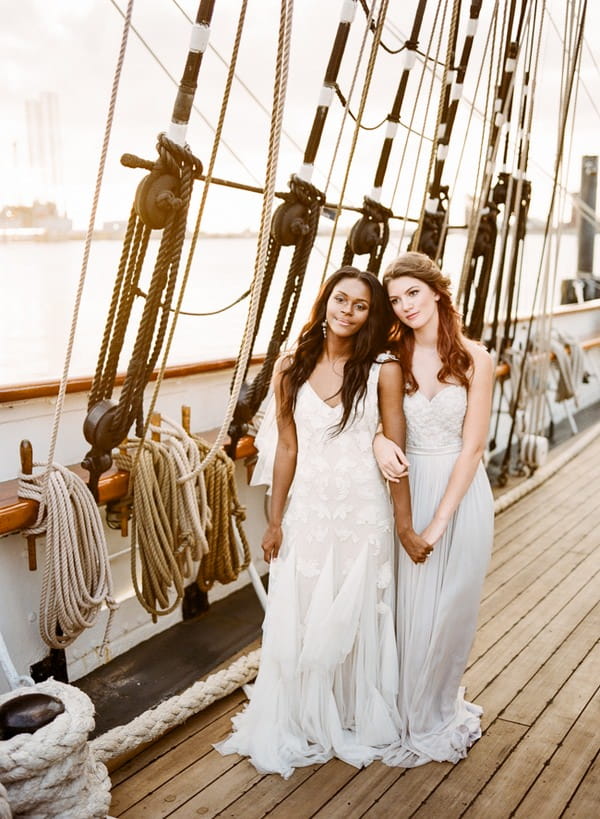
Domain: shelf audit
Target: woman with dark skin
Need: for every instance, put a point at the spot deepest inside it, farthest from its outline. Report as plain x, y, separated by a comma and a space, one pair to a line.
328, 680
448, 382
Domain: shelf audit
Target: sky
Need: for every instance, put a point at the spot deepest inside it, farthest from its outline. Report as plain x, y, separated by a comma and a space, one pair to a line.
70, 49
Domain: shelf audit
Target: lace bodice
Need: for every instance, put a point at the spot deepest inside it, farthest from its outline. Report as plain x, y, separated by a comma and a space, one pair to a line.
436, 424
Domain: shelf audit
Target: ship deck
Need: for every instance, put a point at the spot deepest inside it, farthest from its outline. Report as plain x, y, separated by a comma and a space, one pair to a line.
534, 667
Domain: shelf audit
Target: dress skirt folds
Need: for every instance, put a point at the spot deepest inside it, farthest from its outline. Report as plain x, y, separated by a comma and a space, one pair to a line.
438, 601
328, 679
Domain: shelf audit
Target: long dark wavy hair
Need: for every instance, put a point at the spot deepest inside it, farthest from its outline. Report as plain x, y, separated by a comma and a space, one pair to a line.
457, 362
369, 341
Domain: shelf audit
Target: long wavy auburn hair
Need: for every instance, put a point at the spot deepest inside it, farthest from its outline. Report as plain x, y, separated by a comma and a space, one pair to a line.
369, 341
457, 362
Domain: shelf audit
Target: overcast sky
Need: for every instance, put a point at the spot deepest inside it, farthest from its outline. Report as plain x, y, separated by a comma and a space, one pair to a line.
70, 47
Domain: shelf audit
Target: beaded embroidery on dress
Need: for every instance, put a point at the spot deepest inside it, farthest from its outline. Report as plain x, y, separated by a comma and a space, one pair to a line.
328, 679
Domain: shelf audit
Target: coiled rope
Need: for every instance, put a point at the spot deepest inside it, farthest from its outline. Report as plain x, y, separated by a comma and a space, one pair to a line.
176, 710
170, 515
53, 771
77, 579
228, 549
5, 811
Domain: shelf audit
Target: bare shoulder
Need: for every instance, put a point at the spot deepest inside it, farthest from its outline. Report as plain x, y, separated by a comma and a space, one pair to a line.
482, 361
283, 362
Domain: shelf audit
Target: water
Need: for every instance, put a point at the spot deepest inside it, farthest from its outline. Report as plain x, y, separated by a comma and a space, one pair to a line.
39, 282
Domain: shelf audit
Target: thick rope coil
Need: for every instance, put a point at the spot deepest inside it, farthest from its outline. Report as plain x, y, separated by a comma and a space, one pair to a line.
5, 811
176, 710
225, 559
171, 515
53, 772
77, 579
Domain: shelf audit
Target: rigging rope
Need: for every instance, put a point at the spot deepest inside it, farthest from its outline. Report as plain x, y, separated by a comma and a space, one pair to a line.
171, 515
224, 560
77, 579
53, 772
565, 104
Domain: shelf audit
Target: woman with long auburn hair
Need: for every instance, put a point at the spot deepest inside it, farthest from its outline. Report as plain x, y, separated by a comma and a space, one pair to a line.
448, 382
328, 679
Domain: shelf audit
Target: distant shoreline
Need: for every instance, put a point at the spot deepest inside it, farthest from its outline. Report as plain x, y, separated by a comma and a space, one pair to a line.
45, 235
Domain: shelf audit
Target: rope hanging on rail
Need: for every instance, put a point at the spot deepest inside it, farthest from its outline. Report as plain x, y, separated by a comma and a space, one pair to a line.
171, 515
225, 559
77, 579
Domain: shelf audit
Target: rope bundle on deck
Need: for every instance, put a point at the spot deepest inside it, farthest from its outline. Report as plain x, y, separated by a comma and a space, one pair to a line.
77, 579
53, 772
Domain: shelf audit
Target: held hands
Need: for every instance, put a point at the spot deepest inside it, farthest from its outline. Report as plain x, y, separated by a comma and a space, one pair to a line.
415, 546
391, 460
271, 542
434, 531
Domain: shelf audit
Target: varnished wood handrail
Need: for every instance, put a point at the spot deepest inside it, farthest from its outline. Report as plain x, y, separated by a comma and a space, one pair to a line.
45, 389
20, 513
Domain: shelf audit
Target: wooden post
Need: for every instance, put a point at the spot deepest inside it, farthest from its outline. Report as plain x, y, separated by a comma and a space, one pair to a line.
186, 417
155, 420
26, 453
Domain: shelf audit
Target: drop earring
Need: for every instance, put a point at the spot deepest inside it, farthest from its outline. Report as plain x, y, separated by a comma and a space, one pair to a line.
324, 328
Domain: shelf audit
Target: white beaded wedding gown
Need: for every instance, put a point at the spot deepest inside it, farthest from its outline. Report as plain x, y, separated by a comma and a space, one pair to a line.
328, 679
438, 600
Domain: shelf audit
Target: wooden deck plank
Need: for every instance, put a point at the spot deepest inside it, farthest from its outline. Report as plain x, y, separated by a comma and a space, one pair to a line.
222, 792
511, 643
228, 705
266, 795
542, 587
516, 776
316, 791
544, 529
464, 782
553, 674
360, 793
558, 781
584, 802
532, 679
534, 669
172, 779
551, 490
525, 545
522, 579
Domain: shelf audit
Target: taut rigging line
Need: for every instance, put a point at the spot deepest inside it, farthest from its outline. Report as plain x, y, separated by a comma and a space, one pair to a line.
162, 201
294, 223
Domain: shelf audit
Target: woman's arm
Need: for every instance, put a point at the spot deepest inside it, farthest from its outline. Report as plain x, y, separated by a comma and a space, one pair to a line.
475, 432
284, 468
391, 394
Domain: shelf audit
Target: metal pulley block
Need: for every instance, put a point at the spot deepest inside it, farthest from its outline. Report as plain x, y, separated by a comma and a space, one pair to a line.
364, 236
156, 198
290, 223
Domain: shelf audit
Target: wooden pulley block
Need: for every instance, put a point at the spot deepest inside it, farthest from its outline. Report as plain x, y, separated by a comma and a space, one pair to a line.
154, 198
